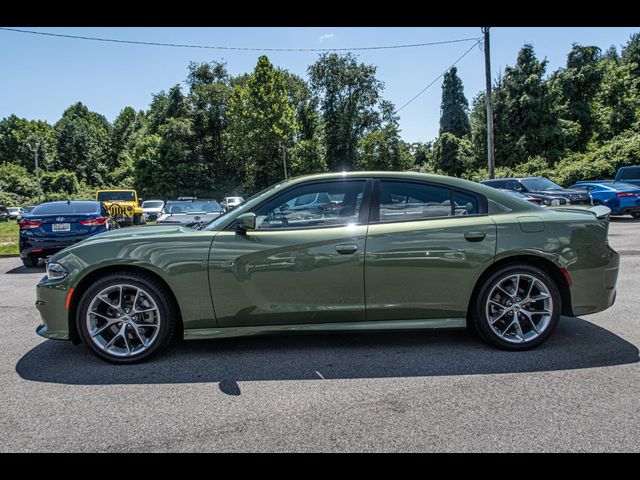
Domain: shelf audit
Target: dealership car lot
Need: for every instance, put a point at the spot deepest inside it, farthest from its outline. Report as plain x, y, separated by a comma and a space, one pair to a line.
409, 391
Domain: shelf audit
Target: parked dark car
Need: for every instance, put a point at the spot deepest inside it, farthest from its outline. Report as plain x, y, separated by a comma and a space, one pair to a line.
622, 198
4, 214
629, 175
53, 226
539, 187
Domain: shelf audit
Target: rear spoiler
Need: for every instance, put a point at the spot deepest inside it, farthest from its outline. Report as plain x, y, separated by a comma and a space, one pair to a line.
599, 211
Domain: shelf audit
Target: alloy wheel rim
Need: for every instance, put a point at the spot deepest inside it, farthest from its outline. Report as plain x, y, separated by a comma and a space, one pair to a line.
519, 308
123, 320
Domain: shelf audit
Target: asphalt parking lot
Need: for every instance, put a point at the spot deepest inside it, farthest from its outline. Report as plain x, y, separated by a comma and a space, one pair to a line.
411, 391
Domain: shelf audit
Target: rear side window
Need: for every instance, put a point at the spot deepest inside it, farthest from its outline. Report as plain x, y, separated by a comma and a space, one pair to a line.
465, 204
630, 174
66, 208
402, 202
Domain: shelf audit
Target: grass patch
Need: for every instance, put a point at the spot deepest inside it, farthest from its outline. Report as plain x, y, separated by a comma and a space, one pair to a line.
9, 237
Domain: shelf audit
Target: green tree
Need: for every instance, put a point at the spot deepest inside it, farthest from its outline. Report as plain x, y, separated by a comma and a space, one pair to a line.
82, 139
349, 94
454, 108
574, 89
382, 148
209, 94
452, 155
61, 181
263, 125
15, 135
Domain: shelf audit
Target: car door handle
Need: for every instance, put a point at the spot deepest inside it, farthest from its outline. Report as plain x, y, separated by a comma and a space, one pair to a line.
346, 249
474, 236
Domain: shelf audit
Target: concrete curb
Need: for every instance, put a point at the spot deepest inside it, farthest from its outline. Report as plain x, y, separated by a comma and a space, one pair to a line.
8, 255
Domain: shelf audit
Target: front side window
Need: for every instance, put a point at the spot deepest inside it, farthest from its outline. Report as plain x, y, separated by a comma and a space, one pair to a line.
323, 204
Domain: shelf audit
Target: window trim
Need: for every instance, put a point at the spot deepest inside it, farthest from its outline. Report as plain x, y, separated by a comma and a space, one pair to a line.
374, 216
363, 215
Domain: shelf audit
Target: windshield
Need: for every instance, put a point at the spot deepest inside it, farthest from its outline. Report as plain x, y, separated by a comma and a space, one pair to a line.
54, 208
539, 184
247, 205
124, 196
199, 206
153, 204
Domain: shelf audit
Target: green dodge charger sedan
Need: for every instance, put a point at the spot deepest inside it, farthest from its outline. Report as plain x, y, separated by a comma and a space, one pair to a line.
336, 252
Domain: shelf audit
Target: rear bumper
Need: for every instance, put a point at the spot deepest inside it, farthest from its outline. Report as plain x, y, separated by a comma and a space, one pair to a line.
44, 246
594, 289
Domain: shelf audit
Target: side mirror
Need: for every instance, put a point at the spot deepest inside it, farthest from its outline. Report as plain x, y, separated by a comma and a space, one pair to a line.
246, 221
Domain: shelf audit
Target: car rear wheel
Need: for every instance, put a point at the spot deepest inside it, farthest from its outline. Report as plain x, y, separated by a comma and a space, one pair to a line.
517, 308
635, 214
30, 262
126, 318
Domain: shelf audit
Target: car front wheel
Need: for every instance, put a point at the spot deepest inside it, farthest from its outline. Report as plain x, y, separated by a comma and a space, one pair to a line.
126, 318
517, 308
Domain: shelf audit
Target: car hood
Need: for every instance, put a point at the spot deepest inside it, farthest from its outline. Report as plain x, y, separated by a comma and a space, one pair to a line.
137, 232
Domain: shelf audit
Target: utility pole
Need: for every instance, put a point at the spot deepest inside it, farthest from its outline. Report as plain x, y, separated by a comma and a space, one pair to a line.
284, 160
35, 151
487, 68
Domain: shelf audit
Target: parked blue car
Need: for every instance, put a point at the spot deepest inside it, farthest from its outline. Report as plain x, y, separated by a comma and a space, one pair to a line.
622, 198
53, 226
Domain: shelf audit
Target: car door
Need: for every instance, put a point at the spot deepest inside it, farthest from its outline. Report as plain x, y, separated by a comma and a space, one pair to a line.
299, 265
427, 245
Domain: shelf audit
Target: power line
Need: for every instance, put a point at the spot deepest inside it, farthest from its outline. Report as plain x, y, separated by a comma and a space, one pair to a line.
478, 41
212, 47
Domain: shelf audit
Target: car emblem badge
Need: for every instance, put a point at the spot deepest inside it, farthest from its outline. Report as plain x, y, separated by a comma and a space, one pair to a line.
196, 218
59, 219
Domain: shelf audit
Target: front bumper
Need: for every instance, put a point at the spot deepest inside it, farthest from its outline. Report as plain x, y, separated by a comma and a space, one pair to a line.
51, 303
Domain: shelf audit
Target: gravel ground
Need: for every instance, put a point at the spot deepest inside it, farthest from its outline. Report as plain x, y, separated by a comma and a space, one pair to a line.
410, 391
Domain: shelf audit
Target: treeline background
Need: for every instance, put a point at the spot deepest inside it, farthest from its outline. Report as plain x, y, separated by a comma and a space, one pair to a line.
226, 135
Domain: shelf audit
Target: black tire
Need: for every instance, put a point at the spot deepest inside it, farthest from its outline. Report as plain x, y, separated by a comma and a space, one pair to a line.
480, 323
30, 262
160, 295
137, 219
635, 214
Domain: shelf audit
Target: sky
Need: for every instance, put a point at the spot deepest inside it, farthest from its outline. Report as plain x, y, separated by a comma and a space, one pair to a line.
41, 76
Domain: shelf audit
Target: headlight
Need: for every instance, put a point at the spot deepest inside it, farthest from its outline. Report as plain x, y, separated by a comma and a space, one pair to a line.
55, 271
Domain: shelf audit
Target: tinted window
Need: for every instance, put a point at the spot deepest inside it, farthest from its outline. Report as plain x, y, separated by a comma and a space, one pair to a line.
64, 207
465, 204
513, 185
538, 184
192, 207
401, 202
495, 183
125, 196
152, 204
630, 174
315, 205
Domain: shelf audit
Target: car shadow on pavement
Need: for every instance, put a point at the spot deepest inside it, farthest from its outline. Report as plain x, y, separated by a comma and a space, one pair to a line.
575, 344
23, 269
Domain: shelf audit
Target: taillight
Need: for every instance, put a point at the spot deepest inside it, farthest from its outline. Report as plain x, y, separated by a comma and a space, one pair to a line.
626, 194
94, 221
28, 224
